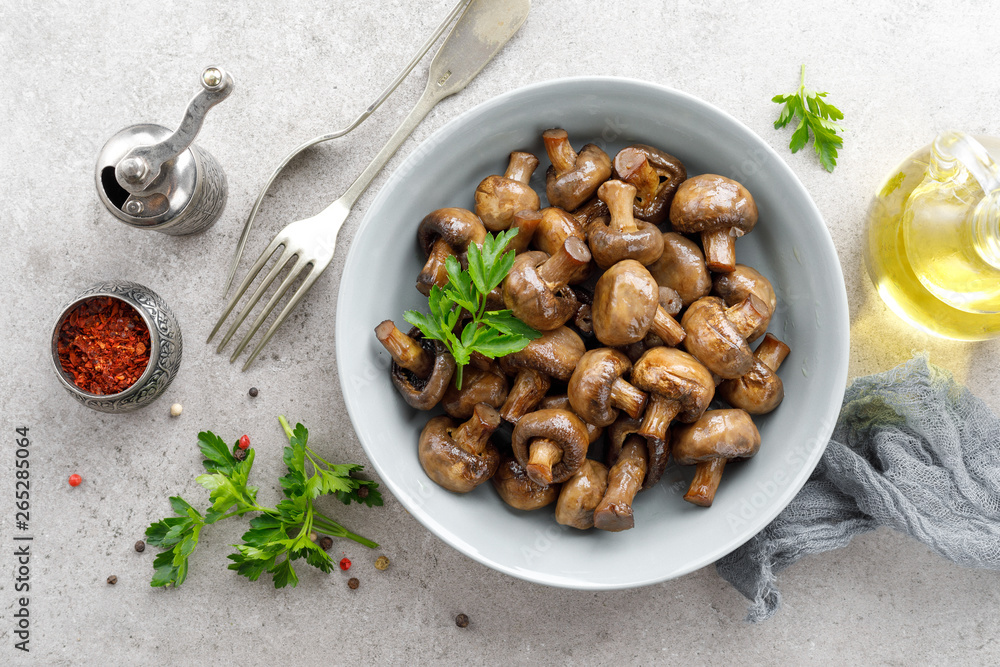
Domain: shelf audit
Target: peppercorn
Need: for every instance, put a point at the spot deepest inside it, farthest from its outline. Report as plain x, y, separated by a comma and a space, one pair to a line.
176, 409
345, 564
140, 546
462, 621
313, 536
112, 580
253, 392
325, 542
244, 441
74, 480
239, 454
353, 583
381, 563
363, 492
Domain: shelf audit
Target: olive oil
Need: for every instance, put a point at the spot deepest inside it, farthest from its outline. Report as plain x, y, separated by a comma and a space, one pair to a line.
933, 229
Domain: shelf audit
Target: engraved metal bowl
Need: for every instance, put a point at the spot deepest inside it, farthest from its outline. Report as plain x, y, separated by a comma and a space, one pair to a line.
164, 343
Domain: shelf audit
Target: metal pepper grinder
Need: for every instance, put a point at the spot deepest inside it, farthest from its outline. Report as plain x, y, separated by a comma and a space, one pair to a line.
152, 178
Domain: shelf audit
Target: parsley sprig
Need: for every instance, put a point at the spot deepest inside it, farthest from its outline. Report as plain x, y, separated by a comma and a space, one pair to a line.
492, 333
280, 535
817, 116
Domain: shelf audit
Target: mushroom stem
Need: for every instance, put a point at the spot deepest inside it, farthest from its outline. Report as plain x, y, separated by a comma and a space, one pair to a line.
619, 197
614, 513
659, 413
542, 455
405, 351
434, 271
559, 269
529, 388
581, 494
634, 169
771, 352
525, 222
707, 476
720, 249
748, 314
473, 435
522, 165
561, 153
626, 397
584, 319
667, 328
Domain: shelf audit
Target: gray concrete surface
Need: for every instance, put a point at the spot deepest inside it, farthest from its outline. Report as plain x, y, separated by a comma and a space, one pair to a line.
75, 73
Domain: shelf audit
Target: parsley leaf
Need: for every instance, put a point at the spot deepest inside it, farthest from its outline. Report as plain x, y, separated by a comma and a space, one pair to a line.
491, 333
816, 116
280, 534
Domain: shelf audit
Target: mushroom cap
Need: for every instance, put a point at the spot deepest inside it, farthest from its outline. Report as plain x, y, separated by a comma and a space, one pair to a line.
530, 297
499, 197
570, 189
580, 494
561, 402
682, 267
589, 388
593, 209
478, 386
653, 207
740, 283
560, 426
609, 246
657, 450
518, 490
450, 465
551, 233
758, 391
556, 353
714, 340
676, 375
719, 434
424, 393
625, 301
709, 202
457, 226
621, 236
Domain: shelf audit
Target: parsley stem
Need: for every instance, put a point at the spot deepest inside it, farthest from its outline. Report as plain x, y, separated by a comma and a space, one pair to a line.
285, 426
312, 454
331, 527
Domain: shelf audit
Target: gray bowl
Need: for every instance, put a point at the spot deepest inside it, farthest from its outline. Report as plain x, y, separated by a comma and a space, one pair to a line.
791, 246
164, 341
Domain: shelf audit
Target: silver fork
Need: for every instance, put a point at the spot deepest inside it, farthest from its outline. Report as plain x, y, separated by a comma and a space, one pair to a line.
482, 30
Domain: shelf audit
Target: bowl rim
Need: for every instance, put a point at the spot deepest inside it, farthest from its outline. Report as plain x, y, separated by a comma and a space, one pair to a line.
826, 426
154, 346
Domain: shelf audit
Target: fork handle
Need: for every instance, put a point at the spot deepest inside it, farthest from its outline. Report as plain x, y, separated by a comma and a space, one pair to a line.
433, 93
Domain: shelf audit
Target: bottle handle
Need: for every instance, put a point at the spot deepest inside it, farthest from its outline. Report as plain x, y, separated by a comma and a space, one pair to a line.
952, 149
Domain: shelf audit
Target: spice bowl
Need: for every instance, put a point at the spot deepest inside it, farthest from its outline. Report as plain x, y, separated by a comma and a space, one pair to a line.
145, 308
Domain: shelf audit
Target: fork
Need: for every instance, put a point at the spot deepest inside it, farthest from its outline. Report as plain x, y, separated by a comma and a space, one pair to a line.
483, 29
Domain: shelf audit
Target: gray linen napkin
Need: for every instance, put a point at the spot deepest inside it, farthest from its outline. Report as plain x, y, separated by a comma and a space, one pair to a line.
912, 450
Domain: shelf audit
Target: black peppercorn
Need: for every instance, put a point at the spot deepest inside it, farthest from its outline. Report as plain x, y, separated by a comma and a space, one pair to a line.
253, 392
325, 542
112, 580
239, 454
462, 621
140, 546
363, 492
353, 583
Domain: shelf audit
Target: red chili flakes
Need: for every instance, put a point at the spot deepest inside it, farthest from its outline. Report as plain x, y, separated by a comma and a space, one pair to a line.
103, 345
